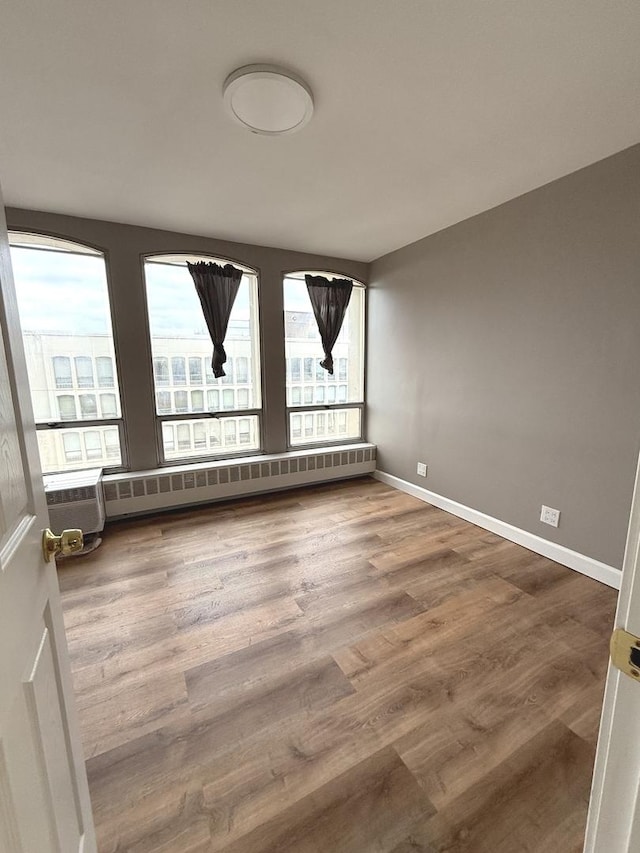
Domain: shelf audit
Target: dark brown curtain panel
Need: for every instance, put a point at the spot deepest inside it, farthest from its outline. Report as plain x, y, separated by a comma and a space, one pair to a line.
217, 288
329, 300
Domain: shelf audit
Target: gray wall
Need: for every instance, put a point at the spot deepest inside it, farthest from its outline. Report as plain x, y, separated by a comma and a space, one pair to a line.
505, 352
124, 247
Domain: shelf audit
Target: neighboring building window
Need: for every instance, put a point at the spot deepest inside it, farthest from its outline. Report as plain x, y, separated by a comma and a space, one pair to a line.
195, 371
182, 349
178, 371
92, 445
104, 368
242, 370
321, 391
112, 443
84, 371
62, 371
88, 407
197, 401
72, 447
108, 405
163, 402
199, 435
161, 371
67, 407
181, 401
63, 299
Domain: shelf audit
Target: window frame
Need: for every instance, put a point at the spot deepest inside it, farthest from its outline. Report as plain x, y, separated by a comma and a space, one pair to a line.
71, 246
219, 454
303, 408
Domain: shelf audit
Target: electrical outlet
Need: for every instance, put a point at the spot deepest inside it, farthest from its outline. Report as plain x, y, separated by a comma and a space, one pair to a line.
422, 469
550, 516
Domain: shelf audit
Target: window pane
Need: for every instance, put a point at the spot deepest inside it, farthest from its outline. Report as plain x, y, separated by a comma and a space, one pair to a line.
68, 343
62, 371
308, 394
336, 425
224, 436
320, 394
84, 371
180, 338
303, 348
104, 369
108, 405
296, 395
195, 371
71, 450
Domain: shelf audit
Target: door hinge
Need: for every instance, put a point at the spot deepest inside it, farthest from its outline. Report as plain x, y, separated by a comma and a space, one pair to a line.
625, 653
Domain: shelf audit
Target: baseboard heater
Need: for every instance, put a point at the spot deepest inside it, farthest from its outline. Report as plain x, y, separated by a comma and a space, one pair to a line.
138, 492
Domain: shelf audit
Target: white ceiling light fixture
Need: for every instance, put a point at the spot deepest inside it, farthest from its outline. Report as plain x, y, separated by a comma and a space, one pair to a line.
268, 99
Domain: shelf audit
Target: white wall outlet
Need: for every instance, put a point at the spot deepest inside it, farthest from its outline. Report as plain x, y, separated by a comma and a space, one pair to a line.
550, 516
422, 469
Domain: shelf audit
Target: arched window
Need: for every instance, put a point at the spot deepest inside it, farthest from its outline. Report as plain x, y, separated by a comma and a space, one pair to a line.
311, 391
181, 350
68, 339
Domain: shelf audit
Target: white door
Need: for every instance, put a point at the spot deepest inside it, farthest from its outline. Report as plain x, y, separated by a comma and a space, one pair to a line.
44, 798
613, 825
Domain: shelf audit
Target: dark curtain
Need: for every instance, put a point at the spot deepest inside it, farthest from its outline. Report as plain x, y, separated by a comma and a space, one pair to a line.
329, 300
217, 288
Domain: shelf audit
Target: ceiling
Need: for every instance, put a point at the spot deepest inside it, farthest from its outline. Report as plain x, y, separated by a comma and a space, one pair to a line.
427, 111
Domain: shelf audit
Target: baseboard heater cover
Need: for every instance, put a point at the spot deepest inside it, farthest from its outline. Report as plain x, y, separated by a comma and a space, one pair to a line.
163, 488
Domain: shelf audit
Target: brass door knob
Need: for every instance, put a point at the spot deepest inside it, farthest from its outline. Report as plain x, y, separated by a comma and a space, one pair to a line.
67, 543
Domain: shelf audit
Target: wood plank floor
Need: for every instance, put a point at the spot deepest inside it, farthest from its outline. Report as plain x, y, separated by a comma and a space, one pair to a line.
341, 669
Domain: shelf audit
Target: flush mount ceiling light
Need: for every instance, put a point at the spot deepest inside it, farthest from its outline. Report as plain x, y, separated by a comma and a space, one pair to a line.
268, 99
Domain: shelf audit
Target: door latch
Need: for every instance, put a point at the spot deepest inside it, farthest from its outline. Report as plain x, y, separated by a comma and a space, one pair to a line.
625, 653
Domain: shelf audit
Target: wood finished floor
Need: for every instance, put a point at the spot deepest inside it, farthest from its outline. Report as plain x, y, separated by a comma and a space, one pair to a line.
342, 669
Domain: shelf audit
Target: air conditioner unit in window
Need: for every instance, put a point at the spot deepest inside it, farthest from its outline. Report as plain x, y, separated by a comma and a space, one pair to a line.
75, 500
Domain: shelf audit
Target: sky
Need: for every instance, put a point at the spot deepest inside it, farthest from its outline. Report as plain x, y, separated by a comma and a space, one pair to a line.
60, 292
64, 293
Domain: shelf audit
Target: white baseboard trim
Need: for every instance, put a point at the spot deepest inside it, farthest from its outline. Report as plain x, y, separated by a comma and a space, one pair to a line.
565, 556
